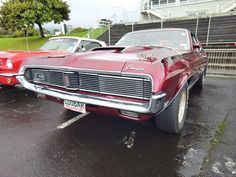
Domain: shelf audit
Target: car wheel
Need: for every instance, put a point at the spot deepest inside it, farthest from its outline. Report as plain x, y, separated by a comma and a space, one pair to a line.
200, 82
173, 117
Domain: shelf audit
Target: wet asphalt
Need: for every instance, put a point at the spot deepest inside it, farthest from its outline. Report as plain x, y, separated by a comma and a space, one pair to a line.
103, 146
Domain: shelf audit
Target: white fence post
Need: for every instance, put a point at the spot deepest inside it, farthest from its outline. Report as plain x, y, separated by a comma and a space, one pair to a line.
208, 31
196, 31
109, 35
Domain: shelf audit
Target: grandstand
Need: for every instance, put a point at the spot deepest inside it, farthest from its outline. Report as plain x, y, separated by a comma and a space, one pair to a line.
214, 31
212, 21
165, 9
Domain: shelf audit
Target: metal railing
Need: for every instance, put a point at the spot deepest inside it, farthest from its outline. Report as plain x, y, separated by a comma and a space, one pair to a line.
222, 62
158, 4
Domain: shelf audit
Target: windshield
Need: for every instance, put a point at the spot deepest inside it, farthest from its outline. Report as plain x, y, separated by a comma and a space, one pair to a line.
175, 39
63, 44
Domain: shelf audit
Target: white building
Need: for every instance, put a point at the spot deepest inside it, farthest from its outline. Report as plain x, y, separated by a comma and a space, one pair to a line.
166, 9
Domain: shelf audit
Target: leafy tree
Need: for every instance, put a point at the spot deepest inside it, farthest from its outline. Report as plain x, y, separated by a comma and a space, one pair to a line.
21, 14
78, 30
105, 22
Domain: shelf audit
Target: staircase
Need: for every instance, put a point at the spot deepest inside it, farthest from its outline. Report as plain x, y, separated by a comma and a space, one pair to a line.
221, 29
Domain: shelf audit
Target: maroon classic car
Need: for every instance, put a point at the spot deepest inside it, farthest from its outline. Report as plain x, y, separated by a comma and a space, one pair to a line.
147, 74
10, 61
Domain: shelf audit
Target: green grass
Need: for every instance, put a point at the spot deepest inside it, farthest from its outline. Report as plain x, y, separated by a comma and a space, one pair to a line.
20, 43
36, 42
214, 142
82, 34
95, 33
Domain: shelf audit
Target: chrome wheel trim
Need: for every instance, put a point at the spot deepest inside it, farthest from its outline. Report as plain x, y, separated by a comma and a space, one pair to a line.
203, 78
182, 106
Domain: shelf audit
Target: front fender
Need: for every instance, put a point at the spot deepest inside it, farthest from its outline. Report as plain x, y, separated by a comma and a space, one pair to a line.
174, 86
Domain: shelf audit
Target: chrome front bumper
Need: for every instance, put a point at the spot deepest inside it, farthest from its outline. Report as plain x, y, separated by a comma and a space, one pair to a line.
155, 104
8, 74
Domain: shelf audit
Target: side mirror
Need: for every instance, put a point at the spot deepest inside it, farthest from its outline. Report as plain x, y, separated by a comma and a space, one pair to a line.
196, 46
83, 49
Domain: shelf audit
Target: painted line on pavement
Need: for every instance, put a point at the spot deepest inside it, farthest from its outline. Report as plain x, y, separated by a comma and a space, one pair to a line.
71, 121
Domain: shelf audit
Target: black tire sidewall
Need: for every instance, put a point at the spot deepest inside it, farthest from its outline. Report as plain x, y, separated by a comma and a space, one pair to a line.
168, 120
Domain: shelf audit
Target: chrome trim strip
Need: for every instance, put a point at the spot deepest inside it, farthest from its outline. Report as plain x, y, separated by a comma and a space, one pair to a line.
92, 74
83, 70
87, 90
63, 68
153, 106
8, 74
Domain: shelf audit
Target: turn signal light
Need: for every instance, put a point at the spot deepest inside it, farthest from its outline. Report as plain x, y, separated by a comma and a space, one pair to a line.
129, 113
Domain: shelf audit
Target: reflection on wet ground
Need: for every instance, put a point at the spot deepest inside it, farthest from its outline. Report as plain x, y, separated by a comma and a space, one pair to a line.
100, 146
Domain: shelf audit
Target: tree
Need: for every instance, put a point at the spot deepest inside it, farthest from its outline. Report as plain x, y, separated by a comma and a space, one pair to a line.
78, 30
21, 14
105, 22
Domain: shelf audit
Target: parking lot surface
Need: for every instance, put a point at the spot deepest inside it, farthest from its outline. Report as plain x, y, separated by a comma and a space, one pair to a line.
32, 145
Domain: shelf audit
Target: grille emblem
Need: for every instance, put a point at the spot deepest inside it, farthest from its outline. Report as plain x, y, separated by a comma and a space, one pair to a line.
66, 80
132, 67
40, 76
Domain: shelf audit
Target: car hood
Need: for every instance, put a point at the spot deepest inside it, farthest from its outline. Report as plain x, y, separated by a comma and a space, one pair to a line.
138, 59
16, 55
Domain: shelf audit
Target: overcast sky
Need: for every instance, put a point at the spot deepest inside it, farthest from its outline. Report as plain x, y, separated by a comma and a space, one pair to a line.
86, 13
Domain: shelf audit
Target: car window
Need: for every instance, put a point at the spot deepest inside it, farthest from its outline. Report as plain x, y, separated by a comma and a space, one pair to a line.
176, 39
87, 45
61, 44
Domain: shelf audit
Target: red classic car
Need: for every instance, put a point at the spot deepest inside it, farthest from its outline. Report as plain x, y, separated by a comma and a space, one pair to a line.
147, 74
10, 61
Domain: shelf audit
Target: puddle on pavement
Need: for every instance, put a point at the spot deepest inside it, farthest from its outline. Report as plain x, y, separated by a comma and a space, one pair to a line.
192, 162
220, 168
129, 140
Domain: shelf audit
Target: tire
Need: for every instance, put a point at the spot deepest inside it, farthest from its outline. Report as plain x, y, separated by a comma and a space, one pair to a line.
201, 80
172, 119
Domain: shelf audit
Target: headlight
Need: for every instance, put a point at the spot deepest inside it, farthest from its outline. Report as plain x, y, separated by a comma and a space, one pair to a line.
9, 64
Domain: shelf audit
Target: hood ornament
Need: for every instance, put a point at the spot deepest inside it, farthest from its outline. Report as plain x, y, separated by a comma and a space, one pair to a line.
133, 68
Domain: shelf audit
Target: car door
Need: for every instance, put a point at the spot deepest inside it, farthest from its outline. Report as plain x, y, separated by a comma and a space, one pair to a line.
200, 54
191, 58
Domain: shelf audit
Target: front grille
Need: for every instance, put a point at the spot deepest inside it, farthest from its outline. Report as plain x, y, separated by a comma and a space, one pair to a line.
121, 86
89, 82
55, 78
99, 83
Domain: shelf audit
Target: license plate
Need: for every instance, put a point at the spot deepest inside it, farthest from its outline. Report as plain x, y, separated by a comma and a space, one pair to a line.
75, 106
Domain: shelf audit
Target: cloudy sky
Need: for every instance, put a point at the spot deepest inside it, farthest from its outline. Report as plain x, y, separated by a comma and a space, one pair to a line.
86, 13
